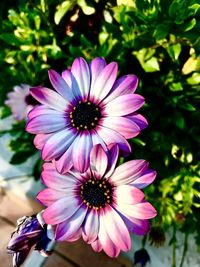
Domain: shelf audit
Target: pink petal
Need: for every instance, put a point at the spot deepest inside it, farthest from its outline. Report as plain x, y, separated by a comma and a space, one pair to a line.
136, 226
40, 140
106, 242
143, 210
68, 229
139, 120
113, 157
67, 76
98, 160
104, 82
57, 181
116, 229
96, 245
112, 137
48, 196
125, 85
64, 163
48, 97
128, 172
96, 66
58, 143
122, 125
81, 73
128, 194
61, 210
81, 151
123, 105
60, 85
145, 179
46, 124
96, 139
75, 236
91, 226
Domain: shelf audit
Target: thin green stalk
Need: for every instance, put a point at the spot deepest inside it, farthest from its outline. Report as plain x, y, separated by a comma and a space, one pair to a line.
184, 249
174, 247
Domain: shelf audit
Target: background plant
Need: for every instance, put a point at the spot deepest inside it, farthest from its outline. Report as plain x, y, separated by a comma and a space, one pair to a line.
158, 40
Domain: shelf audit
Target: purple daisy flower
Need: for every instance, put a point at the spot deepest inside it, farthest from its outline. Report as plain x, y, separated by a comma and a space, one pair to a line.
102, 205
20, 101
88, 107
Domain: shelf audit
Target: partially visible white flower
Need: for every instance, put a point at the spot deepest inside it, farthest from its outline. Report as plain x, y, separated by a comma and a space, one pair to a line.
20, 101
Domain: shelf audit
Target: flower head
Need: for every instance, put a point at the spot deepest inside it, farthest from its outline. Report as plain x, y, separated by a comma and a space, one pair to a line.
102, 205
29, 233
141, 257
20, 101
88, 107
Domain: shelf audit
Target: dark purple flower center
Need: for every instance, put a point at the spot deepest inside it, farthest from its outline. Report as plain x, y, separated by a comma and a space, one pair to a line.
96, 193
31, 101
85, 115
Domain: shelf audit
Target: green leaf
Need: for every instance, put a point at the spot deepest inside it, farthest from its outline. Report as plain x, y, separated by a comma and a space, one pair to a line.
174, 51
189, 25
62, 10
161, 31
176, 87
151, 65
188, 106
21, 156
179, 120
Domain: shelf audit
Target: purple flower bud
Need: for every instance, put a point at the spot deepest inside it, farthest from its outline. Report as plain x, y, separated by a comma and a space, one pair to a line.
141, 257
30, 233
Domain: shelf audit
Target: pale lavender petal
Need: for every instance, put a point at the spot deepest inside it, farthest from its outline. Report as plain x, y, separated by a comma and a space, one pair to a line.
104, 82
91, 226
58, 143
43, 110
67, 229
116, 229
81, 73
144, 179
48, 196
60, 85
112, 137
127, 194
61, 210
128, 172
122, 125
98, 160
64, 163
40, 140
96, 245
123, 105
49, 97
143, 210
55, 180
96, 66
106, 242
46, 124
67, 76
125, 85
139, 120
81, 151
114, 153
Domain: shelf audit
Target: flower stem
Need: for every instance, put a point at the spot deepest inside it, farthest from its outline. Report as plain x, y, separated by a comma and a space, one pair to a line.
184, 249
174, 247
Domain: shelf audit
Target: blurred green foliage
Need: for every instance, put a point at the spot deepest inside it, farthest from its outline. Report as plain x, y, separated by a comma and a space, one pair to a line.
158, 40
